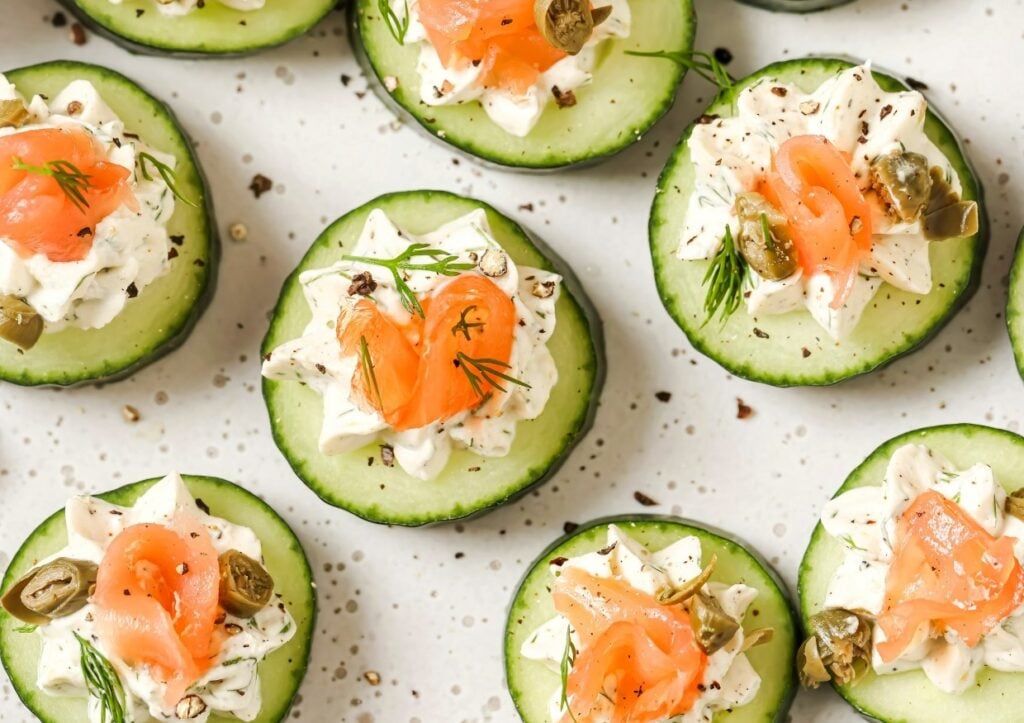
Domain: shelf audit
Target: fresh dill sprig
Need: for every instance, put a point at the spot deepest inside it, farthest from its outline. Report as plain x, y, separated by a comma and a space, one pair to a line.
369, 375
102, 682
72, 181
25, 628
568, 660
766, 229
703, 64
487, 370
724, 279
166, 173
464, 325
441, 263
398, 27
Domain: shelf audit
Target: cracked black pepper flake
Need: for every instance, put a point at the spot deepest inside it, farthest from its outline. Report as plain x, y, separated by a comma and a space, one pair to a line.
59, 20
663, 396
77, 34
780, 91
760, 333
707, 118
202, 505
570, 527
805, 352
387, 455
644, 499
743, 411
132, 291
362, 284
607, 550
260, 184
559, 561
177, 240
172, 253
723, 55
563, 98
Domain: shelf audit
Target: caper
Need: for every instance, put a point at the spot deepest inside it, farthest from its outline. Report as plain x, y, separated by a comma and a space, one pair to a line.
567, 25
13, 113
671, 596
947, 216
54, 590
902, 182
20, 324
245, 586
838, 649
712, 625
1015, 504
764, 240
761, 636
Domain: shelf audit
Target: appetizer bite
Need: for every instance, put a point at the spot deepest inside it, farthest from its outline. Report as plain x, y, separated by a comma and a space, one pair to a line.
526, 83
912, 587
1015, 305
107, 242
649, 619
815, 223
428, 360
172, 599
199, 28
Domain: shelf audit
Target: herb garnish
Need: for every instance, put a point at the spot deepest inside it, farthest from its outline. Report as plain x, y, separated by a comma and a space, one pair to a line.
72, 181
26, 628
369, 375
464, 325
398, 27
166, 173
442, 263
568, 660
489, 369
703, 64
102, 682
766, 229
724, 279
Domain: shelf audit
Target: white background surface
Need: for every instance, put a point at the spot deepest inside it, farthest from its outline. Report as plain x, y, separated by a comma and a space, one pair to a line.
404, 605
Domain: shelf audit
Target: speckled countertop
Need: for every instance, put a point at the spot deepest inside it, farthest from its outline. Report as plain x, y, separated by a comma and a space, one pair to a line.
425, 608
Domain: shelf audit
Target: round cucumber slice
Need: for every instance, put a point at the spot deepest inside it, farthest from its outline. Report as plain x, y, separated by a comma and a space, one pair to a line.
1015, 305
792, 349
909, 697
796, 6
531, 683
212, 30
280, 673
164, 313
627, 96
470, 483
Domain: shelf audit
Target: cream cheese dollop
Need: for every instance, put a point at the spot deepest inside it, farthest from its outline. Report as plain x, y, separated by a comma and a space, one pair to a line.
729, 679
865, 521
516, 114
731, 155
315, 358
130, 249
231, 686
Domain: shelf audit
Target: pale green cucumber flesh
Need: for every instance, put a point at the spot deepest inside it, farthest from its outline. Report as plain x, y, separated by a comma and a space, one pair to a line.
1015, 305
793, 349
281, 672
531, 683
910, 697
165, 311
627, 96
357, 481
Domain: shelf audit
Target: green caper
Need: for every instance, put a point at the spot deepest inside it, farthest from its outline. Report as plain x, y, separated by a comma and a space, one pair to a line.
54, 590
713, 627
761, 636
20, 324
567, 25
1015, 504
245, 586
838, 649
947, 216
13, 113
672, 596
764, 240
902, 182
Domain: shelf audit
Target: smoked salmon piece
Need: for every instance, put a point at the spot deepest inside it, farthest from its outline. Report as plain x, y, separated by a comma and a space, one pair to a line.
829, 220
36, 215
948, 571
648, 651
157, 593
418, 370
499, 35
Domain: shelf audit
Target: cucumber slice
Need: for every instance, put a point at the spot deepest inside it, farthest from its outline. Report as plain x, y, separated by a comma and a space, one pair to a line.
792, 349
470, 483
163, 315
796, 6
1015, 305
909, 697
627, 96
281, 672
531, 683
213, 30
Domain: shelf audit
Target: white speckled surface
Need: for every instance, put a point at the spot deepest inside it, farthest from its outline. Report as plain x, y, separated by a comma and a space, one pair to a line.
425, 608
